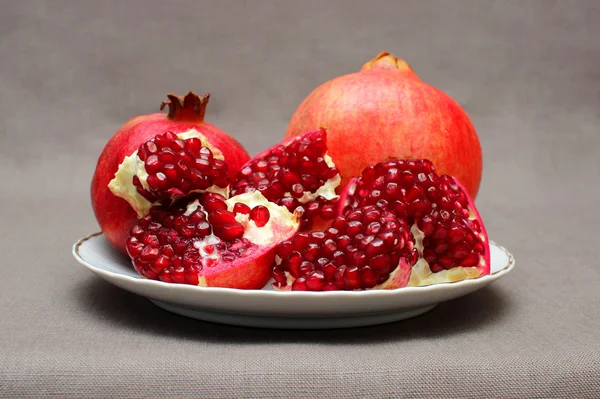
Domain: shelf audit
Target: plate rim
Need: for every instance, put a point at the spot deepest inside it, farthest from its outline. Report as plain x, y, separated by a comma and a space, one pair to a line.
274, 293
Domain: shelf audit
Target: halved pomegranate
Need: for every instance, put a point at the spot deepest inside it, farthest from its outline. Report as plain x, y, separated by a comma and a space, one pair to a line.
212, 241
367, 248
449, 234
298, 174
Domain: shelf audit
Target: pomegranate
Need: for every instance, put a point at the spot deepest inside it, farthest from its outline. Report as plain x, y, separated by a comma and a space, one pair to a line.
211, 241
450, 237
368, 247
298, 174
386, 112
155, 159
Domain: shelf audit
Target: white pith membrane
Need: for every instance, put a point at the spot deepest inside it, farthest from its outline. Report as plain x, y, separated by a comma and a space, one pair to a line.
122, 184
282, 223
327, 190
421, 274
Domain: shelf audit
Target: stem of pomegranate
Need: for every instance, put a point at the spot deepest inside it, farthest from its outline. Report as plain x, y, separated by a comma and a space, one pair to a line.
189, 107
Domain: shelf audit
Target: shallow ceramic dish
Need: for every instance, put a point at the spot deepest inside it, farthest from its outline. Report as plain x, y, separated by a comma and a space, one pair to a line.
275, 309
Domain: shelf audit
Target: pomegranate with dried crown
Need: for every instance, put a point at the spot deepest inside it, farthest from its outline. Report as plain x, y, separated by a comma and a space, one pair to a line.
298, 174
212, 241
157, 159
450, 238
385, 112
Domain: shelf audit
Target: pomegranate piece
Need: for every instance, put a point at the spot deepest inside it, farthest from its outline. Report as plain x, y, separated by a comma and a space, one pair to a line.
449, 234
206, 244
298, 174
367, 248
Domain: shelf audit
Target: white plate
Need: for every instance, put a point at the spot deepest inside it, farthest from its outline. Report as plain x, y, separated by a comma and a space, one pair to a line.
276, 309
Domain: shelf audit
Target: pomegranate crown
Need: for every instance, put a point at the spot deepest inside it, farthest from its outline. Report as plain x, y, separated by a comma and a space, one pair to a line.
385, 60
191, 106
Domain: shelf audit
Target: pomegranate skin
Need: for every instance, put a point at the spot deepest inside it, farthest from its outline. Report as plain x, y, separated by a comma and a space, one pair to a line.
114, 215
385, 111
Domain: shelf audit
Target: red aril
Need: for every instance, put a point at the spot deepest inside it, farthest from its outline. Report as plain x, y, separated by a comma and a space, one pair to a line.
298, 174
208, 243
449, 234
137, 184
385, 111
367, 248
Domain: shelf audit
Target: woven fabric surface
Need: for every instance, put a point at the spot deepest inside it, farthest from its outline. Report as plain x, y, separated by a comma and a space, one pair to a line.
527, 72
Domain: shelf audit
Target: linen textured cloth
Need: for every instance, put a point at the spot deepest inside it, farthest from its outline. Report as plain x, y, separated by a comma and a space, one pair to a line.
527, 72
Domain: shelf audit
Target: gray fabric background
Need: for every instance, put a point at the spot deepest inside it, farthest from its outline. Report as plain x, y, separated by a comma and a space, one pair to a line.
528, 72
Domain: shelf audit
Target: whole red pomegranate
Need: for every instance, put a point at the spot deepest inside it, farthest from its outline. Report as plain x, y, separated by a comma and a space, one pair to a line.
385, 112
158, 158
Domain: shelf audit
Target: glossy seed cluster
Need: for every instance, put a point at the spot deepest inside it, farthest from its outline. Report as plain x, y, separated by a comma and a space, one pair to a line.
174, 244
178, 167
440, 208
358, 251
287, 172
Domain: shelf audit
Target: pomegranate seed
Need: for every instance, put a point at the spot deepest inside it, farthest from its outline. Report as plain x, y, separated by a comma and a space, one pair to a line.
230, 231
166, 276
178, 275
470, 260
293, 262
373, 228
300, 284
212, 205
306, 268
134, 247
354, 227
300, 241
376, 247
289, 203
380, 263
327, 212
446, 261
339, 257
149, 253
161, 263
313, 209
311, 252
331, 233
221, 216
343, 242
315, 281
441, 247
459, 250
279, 276
317, 237
368, 277
352, 278
260, 214
284, 249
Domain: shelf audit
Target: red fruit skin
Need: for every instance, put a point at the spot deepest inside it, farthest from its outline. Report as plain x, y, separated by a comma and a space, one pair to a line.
385, 112
114, 215
245, 276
